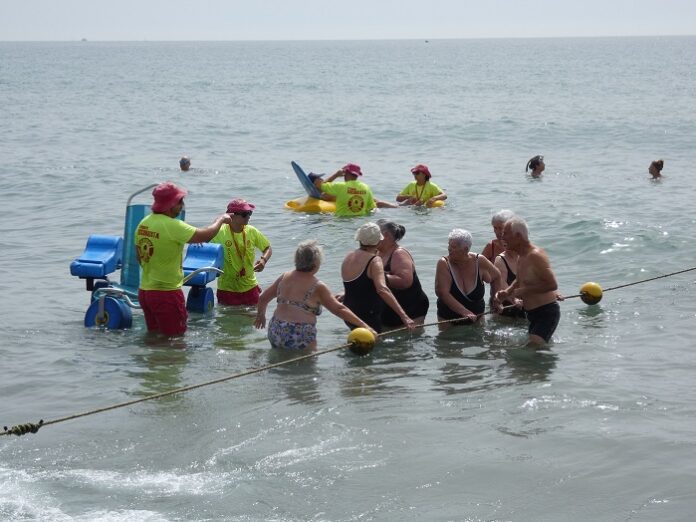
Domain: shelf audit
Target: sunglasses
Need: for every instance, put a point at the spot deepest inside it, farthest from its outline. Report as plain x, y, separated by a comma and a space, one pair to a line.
243, 214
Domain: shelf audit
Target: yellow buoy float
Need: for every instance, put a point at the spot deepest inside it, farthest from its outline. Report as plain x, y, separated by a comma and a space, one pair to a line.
361, 341
591, 293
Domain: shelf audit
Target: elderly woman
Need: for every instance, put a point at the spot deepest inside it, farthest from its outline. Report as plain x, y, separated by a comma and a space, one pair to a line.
421, 191
400, 276
459, 279
300, 297
366, 290
506, 263
496, 246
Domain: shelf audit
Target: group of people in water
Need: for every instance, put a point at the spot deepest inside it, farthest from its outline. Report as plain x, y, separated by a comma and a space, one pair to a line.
381, 286
382, 289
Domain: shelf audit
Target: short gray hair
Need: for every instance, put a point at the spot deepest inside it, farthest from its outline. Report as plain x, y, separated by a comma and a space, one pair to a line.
519, 226
460, 237
502, 216
308, 255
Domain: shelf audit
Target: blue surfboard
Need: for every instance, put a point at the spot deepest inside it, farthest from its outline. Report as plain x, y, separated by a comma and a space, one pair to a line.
312, 191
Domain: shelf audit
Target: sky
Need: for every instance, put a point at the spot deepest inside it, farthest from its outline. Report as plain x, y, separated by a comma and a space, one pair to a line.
157, 20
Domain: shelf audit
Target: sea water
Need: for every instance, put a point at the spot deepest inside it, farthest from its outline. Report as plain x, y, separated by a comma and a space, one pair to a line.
460, 425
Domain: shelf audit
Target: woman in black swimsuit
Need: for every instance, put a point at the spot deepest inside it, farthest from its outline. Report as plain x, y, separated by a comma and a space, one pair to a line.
506, 263
366, 291
459, 279
400, 275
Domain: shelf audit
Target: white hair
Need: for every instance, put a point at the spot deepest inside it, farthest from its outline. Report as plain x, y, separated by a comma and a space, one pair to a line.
519, 226
502, 216
461, 237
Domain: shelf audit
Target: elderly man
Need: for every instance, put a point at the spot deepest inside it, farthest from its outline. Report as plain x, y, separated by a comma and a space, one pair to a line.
535, 284
159, 243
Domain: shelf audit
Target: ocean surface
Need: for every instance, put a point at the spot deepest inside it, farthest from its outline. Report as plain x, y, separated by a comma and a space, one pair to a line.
462, 425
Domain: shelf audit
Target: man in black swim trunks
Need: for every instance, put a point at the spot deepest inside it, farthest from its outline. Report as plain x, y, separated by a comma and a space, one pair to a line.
535, 285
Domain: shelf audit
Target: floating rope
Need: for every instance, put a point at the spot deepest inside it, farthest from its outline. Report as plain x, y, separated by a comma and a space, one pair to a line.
639, 282
23, 429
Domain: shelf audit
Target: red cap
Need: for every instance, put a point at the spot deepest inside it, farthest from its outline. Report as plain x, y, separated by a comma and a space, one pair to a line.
239, 205
422, 168
167, 195
352, 168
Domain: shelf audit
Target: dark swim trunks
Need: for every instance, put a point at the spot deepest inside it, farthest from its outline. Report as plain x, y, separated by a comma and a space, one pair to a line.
543, 320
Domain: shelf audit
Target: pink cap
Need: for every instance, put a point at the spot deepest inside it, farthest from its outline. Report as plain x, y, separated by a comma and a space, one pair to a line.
167, 195
352, 168
239, 205
421, 168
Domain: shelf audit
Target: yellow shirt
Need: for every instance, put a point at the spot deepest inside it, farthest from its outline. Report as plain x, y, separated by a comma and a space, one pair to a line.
240, 254
160, 241
423, 193
353, 198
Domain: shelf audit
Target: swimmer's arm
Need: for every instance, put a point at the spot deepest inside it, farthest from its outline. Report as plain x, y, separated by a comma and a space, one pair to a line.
376, 273
203, 235
440, 197
265, 297
401, 274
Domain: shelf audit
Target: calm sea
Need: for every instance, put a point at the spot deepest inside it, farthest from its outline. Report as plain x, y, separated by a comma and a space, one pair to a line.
463, 425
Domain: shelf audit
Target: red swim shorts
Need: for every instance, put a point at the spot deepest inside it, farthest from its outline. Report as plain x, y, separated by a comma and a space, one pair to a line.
248, 298
165, 311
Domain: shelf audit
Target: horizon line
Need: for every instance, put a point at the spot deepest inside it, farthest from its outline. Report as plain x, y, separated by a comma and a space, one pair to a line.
87, 40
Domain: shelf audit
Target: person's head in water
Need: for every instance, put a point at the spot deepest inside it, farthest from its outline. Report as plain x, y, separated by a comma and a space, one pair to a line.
185, 163
536, 165
655, 168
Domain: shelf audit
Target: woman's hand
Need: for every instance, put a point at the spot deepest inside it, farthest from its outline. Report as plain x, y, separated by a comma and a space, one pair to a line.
260, 321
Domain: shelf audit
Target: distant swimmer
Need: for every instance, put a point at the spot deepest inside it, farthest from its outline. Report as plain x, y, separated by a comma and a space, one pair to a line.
185, 163
655, 169
535, 166
459, 279
535, 284
300, 297
353, 197
421, 191
400, 276
496, 246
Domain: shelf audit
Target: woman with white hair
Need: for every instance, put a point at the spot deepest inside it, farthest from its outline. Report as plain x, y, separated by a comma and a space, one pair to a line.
459, 279
496, 246
300, 297
366, 290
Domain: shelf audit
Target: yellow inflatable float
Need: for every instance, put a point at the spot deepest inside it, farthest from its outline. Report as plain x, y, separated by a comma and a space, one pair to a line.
312, 203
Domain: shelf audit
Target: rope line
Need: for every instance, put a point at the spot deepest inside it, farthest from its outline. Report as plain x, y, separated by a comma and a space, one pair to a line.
29, 427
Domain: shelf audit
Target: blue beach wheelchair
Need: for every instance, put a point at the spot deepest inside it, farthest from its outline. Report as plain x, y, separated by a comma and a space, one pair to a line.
112, 303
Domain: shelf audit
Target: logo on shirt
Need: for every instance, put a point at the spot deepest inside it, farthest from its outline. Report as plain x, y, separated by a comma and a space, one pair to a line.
145, 249
356, 204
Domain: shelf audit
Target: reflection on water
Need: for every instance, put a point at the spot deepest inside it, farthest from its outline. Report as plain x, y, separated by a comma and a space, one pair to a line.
299, 380
159, 369
484, 357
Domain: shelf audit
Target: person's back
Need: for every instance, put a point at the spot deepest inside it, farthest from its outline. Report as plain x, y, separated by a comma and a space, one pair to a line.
297, 299
160, 241
353, 197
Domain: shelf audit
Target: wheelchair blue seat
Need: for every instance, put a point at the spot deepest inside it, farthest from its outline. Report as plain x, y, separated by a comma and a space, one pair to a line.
199, 256
102, 256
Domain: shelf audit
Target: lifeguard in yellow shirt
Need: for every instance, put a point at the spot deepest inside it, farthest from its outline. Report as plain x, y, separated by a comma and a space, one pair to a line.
421, 191
353, 197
